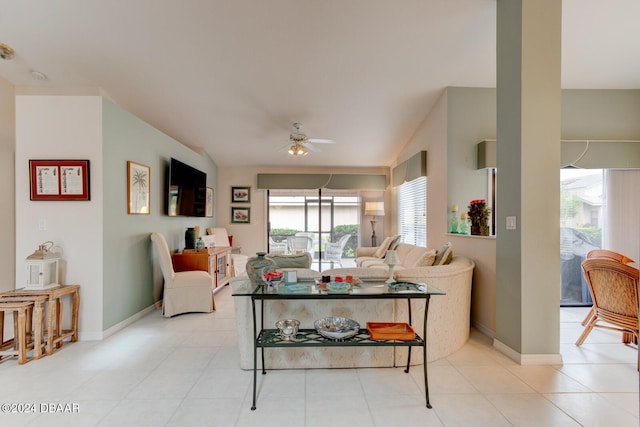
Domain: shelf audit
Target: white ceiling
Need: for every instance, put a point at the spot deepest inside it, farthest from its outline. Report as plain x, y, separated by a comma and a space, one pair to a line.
232, 76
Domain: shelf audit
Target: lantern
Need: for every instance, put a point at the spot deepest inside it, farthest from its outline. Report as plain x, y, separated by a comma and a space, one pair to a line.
42, 268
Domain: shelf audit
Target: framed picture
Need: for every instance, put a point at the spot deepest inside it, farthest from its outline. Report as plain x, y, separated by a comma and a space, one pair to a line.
138, 183
209, 204
240, 215
240, 194
59, 179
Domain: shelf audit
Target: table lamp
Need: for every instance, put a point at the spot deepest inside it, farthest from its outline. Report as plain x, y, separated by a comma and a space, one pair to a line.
391, 259
373, 209
42, 268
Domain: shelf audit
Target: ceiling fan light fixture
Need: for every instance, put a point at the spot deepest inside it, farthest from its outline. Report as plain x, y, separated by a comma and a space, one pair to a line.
297, 149
6, 51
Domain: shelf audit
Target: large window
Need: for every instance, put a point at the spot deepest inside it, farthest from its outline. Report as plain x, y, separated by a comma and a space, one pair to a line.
412, 211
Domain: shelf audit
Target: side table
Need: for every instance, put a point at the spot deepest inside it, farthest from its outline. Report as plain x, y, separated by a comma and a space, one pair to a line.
28, 332
55, 333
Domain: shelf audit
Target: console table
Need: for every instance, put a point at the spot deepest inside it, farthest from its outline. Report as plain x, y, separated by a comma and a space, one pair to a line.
215, 260
266, 338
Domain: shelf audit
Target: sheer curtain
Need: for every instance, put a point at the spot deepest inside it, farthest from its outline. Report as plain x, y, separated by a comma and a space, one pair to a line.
622, 212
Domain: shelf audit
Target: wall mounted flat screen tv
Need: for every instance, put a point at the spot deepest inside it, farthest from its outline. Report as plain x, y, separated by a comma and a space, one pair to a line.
187, 190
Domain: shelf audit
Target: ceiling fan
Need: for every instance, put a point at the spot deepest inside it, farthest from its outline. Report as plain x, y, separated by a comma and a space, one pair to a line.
299, 144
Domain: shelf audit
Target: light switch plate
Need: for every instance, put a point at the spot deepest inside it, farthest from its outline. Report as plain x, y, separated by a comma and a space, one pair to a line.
511, 223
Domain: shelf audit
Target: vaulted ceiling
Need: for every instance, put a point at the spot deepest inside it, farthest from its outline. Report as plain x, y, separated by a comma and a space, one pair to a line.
232, 76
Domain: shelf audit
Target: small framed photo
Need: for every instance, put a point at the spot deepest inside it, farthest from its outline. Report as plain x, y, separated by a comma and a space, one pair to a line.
209, 202
138, 188
240, 215
240, 194
59, 179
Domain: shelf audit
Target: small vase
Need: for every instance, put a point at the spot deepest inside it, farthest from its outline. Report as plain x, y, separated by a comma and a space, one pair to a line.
475, 229
255, 265
190, 238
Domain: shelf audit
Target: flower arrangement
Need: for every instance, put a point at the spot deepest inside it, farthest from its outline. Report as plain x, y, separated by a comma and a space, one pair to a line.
478, 214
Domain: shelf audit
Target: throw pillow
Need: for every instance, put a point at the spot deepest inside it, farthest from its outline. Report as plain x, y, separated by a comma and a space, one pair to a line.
444, 255
395, 241
429, 258
382, 249
291, 261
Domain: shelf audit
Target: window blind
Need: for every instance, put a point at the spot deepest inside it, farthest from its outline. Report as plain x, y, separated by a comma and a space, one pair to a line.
412, 211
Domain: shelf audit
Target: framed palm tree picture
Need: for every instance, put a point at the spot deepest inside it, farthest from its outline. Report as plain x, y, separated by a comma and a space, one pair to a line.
138, 181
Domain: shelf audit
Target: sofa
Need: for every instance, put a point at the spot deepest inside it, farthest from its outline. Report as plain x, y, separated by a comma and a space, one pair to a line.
409, 256
448, 321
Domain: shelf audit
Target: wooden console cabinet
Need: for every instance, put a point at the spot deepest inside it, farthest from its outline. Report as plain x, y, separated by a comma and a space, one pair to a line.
216, 260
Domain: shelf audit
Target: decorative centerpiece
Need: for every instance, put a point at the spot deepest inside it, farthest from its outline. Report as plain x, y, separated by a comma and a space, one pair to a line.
255, 265
478, 214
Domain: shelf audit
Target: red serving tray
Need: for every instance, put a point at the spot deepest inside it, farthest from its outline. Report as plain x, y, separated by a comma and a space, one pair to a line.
391, 331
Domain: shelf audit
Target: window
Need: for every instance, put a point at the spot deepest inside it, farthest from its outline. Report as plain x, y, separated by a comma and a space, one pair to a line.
412, 211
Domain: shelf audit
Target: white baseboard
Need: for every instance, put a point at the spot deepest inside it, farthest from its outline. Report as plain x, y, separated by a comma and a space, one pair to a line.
484, 329
99, 336
527, 359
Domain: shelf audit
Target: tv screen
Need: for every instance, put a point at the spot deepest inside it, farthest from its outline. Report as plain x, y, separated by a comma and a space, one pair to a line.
187, 190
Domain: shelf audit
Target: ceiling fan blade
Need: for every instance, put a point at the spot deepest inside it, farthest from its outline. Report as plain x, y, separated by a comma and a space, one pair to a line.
321, 141
311, 147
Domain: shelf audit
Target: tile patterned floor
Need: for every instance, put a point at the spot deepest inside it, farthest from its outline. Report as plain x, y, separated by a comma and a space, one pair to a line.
183, 372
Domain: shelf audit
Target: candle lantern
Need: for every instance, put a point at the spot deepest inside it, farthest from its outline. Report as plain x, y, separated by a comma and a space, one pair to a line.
42, 268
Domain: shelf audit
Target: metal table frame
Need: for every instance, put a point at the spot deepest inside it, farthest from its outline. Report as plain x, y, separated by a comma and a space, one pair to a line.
265, 338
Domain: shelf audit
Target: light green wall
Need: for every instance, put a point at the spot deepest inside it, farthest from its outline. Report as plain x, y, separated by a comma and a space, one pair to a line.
130, 284
586, 114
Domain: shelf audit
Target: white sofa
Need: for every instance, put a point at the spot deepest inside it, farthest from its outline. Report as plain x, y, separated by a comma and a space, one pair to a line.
448, 321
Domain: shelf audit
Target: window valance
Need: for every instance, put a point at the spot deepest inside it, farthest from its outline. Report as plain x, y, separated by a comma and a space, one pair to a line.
587, 154
302, 181
410, 169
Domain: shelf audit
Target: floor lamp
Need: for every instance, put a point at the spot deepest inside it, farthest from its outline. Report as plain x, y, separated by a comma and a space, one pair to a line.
373, 209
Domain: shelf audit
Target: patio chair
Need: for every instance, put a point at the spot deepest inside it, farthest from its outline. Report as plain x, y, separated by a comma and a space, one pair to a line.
333, 251
277, 247
299, 244
614, 290
604, 254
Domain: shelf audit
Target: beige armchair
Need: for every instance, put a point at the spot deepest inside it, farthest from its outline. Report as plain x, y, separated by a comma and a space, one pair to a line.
184, 291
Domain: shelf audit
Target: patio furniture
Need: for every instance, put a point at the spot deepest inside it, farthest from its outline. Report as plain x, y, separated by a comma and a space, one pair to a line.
614, 290
333, 250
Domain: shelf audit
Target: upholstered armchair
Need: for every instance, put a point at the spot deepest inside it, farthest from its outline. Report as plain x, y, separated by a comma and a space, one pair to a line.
184, 291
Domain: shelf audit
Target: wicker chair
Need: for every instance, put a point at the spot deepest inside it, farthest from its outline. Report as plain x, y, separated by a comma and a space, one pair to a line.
604, 254
614, 289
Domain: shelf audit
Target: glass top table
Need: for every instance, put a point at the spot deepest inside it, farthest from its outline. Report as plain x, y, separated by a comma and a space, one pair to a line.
314, 289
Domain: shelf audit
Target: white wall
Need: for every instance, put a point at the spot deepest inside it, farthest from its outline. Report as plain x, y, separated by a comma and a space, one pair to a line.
63, 127
7, 186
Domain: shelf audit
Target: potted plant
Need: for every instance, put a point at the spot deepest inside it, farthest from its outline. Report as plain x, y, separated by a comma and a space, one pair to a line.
478, 214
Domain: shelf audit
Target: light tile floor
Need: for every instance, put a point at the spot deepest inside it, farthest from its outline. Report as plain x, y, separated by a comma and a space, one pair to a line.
184, 372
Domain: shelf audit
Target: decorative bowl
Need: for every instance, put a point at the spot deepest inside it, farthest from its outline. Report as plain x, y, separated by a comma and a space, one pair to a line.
337, 328
338, 287
288, 328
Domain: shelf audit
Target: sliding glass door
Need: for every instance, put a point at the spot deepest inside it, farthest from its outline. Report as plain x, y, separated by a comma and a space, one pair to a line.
325, 216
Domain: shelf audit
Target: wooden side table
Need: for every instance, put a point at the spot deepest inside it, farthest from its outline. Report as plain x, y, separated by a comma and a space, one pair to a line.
34, 323
55, 306
21, 311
